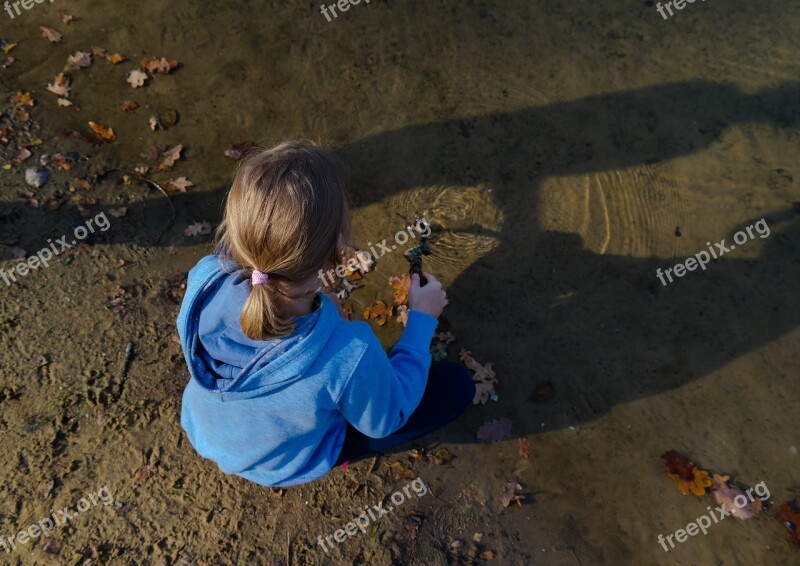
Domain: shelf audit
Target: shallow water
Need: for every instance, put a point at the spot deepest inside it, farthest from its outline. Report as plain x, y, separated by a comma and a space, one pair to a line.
563, 151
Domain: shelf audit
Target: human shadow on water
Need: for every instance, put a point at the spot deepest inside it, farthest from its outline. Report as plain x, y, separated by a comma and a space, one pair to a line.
601, 328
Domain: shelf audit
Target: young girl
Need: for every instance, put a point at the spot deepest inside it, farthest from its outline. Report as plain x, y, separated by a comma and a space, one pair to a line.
283, 388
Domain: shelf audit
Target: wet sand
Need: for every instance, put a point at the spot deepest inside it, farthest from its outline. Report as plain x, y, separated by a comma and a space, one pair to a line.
563, 151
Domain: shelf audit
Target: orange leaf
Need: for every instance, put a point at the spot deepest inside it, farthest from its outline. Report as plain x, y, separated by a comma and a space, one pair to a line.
106, 134
380, 311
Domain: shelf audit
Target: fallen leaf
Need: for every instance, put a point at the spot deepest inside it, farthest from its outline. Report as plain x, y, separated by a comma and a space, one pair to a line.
153, 153
178, 185
82, 183
495, 430
400, 286
728, 497
791, 520
398, 472
159, 65
510, 494
79, 60
115, 59
22, 99
169, 157
690, 478
402, 315
128, 105
60, 85
441, 456
142, 170
67, 18
146, 472
380, 311
482, 375
64, 162
524, 448
488, 554
64, 102
197, 229
239, 150
155, 123
105, 134
137, 78
8, 47
50, 34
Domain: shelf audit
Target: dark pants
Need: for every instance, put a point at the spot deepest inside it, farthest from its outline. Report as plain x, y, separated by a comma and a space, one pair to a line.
449, 391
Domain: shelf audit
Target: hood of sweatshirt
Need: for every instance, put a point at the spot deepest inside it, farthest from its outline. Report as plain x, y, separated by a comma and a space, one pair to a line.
221, 357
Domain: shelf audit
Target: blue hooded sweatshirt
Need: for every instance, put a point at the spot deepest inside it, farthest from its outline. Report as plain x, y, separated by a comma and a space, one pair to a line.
276, 411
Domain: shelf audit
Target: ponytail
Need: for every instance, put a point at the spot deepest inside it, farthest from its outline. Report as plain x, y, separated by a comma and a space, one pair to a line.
260, 318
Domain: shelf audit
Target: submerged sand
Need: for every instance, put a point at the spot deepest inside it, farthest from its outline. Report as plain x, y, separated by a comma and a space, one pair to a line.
563, 151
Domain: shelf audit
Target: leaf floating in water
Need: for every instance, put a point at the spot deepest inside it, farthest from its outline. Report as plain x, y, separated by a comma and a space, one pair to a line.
158, 65
170, 157
524, 448
103, 134
483, 376
400, 286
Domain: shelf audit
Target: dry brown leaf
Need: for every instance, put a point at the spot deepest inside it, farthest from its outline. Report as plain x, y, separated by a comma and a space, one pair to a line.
67, 18
60, 85
160, 65
510, 494
155, 123
64, 102
115, 58
486, 555
137, 78
79, 60
169, 157
50, 34
727, 496
22, 99
178, 185
128, 105
400, 286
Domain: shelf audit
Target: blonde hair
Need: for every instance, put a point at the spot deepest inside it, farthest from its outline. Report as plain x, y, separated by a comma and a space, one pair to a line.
286, 215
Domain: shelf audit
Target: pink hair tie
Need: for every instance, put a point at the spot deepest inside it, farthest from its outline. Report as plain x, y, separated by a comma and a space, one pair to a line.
259, 278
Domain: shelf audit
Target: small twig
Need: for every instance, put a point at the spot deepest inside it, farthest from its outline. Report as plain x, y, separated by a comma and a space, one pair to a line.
126, 362
373, 464
166, 195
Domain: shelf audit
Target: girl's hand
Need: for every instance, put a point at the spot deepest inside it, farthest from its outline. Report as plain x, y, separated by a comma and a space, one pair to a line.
430, 299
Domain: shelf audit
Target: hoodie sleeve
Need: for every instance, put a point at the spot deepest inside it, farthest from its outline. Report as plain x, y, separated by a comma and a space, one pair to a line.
384, 391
